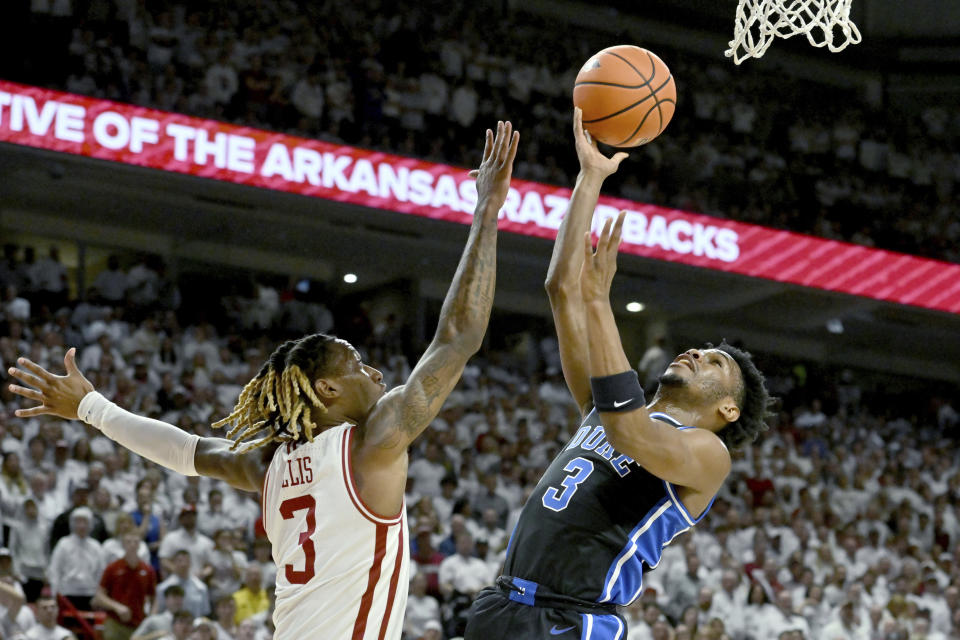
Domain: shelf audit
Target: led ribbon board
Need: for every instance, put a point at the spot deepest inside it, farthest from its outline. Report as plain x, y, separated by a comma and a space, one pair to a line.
132, 135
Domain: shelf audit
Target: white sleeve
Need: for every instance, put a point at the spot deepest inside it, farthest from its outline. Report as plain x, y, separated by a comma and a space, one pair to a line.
446, 572
166, 549
157, 441
53, 571
101, 561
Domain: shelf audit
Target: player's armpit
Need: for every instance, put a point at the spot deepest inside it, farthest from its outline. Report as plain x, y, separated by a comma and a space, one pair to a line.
694, 458
571, 326
215, 459
402, 415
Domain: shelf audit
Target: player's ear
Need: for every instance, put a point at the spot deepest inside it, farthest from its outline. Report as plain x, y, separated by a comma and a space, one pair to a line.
728, 409
327, 388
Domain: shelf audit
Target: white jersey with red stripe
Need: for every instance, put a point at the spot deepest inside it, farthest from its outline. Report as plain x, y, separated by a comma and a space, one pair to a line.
342, 570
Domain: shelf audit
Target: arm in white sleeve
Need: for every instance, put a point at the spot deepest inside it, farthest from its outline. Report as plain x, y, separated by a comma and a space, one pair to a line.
157, 441
53, 571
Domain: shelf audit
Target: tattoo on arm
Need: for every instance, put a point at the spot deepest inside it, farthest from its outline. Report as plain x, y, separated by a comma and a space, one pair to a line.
424, 399
391, 441
469, 300
431, 384
463, 321
405, 415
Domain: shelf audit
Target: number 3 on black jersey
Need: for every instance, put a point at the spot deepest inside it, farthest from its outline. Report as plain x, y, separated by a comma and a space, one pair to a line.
558, 499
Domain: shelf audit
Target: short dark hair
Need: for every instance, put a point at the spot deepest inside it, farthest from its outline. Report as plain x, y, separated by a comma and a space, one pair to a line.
752, 399
222, 599
183, 615
174, 590
449, 478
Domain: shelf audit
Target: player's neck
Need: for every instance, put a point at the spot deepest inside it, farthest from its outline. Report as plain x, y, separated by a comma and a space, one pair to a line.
333, 417
678, 411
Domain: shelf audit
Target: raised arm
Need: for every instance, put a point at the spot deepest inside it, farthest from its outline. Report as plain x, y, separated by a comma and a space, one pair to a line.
401, 415
73, 397
11, 597
563, 275
694, 458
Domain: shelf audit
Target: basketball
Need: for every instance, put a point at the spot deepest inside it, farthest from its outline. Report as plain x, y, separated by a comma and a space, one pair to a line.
627, 96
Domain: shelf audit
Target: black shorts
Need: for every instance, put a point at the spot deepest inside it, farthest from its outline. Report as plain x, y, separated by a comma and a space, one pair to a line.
494, 616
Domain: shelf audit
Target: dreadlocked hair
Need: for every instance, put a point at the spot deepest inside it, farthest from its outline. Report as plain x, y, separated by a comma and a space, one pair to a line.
752, 398
280, 398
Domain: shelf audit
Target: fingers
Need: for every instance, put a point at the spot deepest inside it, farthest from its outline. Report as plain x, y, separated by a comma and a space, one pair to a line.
609, 228
613, 239
497, 143
619, 157
36, 369
33, 411
501, 149
70, 362
587, 249
512, 151
25, 377
30, 394
487, 145
474, 173
579, 133
618, 225
506, 140
604, 236
609, 238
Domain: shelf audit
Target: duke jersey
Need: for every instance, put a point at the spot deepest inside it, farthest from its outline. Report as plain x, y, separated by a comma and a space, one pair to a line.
342, 571
596, 521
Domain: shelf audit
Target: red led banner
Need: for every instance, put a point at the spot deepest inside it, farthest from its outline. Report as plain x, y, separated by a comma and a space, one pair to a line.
172, 142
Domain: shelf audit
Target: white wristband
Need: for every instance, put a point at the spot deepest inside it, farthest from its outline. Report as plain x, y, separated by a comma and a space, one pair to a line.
157, 441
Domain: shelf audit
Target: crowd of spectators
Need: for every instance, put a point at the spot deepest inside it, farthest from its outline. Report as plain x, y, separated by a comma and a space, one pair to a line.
421, 78
842, 521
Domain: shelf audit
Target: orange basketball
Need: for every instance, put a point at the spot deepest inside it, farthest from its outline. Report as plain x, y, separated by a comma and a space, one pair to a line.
627, 96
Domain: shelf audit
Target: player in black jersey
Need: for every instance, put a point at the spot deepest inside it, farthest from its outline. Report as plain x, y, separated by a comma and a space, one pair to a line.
635, 475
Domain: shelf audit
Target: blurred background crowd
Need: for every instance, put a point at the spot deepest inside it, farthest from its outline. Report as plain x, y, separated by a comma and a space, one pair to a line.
841, 522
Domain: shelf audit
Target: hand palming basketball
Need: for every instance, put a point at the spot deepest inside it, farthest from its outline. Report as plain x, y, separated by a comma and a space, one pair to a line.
627, 95
587, 152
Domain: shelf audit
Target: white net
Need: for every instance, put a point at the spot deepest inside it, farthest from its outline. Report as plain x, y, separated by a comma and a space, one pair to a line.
826, 23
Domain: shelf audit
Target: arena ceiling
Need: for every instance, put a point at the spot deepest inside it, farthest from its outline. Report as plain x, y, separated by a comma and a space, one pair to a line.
186, 218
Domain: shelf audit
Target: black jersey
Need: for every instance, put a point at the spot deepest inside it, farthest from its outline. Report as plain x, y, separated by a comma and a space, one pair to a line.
596, 521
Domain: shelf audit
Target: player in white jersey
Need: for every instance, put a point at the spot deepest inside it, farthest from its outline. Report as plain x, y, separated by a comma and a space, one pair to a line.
371, 563
318, 434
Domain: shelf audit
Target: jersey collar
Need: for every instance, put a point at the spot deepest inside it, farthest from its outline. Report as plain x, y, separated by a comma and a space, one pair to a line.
665, 418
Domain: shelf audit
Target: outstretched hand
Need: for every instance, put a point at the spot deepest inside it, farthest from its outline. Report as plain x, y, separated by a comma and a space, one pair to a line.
599, 266
591, 160
496, 169
58, 395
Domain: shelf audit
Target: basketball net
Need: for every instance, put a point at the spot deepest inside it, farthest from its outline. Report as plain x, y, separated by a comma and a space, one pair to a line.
760, 21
